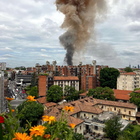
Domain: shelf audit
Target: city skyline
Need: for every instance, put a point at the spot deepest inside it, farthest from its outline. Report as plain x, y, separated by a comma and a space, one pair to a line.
30, 33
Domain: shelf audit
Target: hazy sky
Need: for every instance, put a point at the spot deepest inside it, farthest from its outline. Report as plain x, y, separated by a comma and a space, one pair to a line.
30, 30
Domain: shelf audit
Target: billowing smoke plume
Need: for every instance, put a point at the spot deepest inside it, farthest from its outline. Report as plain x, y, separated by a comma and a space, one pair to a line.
80, 18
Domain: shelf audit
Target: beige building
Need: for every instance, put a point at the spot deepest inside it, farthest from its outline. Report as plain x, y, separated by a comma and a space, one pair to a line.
128, 81
90, 114
63, 81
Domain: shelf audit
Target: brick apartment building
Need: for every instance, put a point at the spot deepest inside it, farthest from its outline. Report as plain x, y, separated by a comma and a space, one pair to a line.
88, 74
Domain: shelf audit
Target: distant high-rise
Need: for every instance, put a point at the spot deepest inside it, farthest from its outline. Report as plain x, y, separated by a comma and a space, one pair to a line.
2, 68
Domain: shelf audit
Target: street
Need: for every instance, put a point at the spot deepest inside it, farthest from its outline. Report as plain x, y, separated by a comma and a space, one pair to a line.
17, 93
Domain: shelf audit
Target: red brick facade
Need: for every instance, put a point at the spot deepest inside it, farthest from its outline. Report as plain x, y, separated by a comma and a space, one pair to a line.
42, 82
89, 74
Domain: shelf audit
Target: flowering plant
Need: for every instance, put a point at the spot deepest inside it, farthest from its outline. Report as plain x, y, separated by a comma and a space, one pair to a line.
51, 128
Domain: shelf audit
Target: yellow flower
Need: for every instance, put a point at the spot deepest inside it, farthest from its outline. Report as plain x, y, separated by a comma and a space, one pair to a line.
45, 118
72, 125
21, 136
49, 119
37, 130
9, 99
31, 98
68, 108
13, 110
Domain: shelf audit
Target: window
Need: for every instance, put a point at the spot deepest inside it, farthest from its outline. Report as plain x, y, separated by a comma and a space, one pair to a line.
129, 112
96, 127
119, 111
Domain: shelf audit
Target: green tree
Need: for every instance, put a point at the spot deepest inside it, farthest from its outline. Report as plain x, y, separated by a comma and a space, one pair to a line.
17, 68
127, 133
128, 69
68, 90
108, 77
55, 94
137, 135
34, 79
71, 93
33, 91
31, 112
113, 128
77, 136
102, 93
125, 137
135, 97
96, 93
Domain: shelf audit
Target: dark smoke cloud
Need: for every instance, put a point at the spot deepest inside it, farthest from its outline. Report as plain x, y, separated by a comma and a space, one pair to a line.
67, 40
80, 18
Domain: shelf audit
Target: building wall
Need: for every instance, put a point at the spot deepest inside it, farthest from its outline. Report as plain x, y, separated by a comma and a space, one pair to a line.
88, 82
92, 71
128, 82
42, 82
97, 127
85, 115
126, 113
83, 82
2, 107
63, 83
79, 128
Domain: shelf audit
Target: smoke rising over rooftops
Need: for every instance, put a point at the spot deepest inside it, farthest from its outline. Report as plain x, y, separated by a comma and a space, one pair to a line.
80, 18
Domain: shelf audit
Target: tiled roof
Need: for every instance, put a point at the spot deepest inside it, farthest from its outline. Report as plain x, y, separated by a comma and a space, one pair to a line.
83, 94
122, 94
114, 103
88, 104
74, 120
128, 73
82, 105
56, 112
137, 91
66, 78
49, 104
138, 114
42, 100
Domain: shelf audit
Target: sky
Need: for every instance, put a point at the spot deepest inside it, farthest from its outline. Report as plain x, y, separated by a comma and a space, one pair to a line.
30, 30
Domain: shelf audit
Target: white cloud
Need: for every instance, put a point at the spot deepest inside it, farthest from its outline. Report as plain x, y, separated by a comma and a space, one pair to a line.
7, 55
43, 50
30, 30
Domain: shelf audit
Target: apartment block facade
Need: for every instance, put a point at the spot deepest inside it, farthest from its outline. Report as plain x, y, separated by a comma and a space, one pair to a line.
128, 81
62, 81
88, 74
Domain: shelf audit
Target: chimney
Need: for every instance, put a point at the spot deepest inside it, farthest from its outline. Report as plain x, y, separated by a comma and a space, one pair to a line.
94, 64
